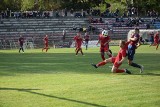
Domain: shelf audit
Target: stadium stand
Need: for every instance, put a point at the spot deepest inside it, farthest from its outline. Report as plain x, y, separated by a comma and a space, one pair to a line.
34, 30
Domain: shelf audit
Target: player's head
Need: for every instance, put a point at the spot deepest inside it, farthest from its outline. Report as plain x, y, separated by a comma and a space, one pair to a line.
136, 31
46, 35
86, 33
78, 34
105, 33
122, 43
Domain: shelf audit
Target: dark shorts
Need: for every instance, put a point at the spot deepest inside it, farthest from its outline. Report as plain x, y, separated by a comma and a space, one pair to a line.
21, 45
131, 52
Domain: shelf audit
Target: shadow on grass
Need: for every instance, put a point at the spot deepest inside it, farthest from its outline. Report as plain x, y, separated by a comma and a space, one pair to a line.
51, 96
148, 74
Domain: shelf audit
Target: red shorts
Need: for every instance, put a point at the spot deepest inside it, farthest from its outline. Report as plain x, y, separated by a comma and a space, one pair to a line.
78, 48
113, 59
156, 42
46, 44
104, 49
115, 62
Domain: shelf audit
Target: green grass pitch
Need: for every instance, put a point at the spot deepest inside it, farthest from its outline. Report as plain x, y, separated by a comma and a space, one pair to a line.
61, 79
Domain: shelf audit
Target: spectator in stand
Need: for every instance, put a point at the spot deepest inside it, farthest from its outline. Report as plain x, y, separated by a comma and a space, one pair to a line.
88, 11
8, 13
124, 14
64, 35
117, 12
100, 20
129, 12
71, 11
74, 27
82, 12
65, 11
57, 13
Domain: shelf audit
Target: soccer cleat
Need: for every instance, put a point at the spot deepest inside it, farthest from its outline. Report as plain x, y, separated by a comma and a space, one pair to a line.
141, 69
127, 71
94, 65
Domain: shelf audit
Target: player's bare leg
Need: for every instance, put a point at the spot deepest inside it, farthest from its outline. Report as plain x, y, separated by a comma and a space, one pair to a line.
81, 51
109, 60
117, 70
157, 46
109, 53
77, 50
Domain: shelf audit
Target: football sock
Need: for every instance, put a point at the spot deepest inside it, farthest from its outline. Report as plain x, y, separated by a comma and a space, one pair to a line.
81, 52
77, 51
101, 63
22, 49
120, 70
102, 56
135, 65
157, 47
110, 55
110, 51
86, 47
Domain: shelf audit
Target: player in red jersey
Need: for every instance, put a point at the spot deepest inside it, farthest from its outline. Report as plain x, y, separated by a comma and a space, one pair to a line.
45, 43
78, 43
104, 40
156, 40
118, 60
134, 43
21, 41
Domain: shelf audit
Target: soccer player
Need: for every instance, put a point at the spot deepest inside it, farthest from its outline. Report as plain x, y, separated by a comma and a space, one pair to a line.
151, 38
104, 40
156, 40
86, 39
78, 43
21, 41
134, 43
118, 60
45, 43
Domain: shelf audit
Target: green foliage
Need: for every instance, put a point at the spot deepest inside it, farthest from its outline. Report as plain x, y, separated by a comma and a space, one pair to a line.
143, 5
10, 4
27, 5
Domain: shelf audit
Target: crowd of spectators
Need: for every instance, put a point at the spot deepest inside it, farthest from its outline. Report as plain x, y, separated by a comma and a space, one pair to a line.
152, 13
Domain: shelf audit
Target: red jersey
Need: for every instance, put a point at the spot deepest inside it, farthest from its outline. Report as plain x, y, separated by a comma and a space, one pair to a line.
78, 41
86, 38
21, 40
103, 40
156, 37
135, 42
45, 40
122, 53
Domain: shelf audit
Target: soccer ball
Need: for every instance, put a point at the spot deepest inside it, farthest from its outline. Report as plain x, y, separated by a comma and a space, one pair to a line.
105, 33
